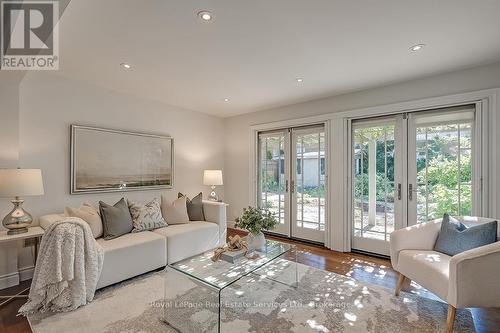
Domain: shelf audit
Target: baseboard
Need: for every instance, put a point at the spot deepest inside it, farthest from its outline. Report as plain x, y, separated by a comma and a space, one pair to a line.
9, 280
371, 254
26, 273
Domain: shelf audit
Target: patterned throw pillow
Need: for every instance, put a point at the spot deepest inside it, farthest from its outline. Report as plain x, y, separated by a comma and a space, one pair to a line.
146, 217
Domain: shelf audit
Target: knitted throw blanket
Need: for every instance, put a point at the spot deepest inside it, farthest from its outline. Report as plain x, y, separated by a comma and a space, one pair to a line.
68, 267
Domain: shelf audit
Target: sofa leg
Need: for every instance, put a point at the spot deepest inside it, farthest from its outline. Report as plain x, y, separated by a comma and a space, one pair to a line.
450, 320
399, 284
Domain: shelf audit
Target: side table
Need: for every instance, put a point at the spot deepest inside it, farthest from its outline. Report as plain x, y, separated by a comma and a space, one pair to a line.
33, 232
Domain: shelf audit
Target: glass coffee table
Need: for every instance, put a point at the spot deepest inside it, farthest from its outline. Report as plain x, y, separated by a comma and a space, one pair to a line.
212, 278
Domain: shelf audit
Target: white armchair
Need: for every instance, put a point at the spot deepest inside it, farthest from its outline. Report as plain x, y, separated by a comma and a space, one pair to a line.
468, 279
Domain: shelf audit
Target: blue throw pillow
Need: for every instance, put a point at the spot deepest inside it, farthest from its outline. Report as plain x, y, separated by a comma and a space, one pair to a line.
454, 237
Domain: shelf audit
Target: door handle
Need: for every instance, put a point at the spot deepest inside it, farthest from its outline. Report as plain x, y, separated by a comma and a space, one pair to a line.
286, 186
292, 186
410, 192
399, 191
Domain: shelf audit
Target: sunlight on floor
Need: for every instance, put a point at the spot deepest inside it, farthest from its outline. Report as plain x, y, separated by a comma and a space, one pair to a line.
320, 328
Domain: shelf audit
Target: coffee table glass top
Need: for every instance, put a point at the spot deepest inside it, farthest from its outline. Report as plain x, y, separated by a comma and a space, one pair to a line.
221, 274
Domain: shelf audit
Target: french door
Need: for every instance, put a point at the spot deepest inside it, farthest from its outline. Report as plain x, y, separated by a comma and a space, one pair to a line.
377, 175
442, 166
412, 168
292, 180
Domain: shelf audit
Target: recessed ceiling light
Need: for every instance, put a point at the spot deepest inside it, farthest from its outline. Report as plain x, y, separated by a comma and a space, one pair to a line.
417, 47
125, 65
299, 80
205, 15
226, 99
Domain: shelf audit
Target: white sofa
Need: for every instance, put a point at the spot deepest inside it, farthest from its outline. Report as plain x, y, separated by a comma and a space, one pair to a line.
137, 253
468, 279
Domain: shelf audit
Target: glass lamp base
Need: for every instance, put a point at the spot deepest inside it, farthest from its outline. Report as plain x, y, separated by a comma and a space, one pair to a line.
18, 220
213, 196
17, 231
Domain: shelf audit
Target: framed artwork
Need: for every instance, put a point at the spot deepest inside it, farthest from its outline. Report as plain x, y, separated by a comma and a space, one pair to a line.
106, 160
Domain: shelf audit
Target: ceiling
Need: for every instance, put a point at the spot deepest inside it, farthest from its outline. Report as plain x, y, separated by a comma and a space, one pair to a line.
253, 51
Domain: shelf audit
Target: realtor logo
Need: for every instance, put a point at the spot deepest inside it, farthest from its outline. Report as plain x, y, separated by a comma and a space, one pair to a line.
29, 33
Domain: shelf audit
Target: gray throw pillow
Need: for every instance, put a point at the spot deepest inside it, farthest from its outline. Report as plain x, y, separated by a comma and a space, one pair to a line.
116, 219
194, 207
454, 237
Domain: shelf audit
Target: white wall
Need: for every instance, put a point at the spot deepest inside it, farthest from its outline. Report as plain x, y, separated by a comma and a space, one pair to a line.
9, 154
237, 129
49, 104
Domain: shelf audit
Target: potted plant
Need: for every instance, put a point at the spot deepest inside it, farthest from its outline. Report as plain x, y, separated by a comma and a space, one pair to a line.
255, 220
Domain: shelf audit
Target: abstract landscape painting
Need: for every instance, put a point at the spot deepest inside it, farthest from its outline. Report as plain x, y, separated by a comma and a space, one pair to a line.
104, 160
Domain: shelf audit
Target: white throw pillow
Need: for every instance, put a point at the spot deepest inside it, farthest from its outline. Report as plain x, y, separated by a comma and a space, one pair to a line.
89, 214
146, 216
174, 212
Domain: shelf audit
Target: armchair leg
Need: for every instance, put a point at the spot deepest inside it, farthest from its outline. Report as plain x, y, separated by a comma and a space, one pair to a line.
399, 284
450, 320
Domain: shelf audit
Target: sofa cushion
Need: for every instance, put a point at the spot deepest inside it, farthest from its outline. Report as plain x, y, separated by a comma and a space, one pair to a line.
454, 237
428, 268
47, 220
194, 207
116, 219
130, 255
89, 214
187, 240
470, 221
174, 212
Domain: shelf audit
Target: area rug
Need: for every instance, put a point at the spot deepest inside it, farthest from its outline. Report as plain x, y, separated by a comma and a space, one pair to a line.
322, 302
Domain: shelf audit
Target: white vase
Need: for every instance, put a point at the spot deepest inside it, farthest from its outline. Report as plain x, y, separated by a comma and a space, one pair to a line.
256, 241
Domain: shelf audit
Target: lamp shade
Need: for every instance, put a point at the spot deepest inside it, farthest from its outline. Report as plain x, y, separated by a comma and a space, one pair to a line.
212, 177
20, 182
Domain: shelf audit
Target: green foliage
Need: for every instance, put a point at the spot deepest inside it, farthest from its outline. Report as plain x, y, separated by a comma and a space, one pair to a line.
269, 155
381, 161
270, 185
362, 186
443, 179
316, 192
256, 219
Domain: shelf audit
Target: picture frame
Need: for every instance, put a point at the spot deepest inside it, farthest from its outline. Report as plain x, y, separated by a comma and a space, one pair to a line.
109, 160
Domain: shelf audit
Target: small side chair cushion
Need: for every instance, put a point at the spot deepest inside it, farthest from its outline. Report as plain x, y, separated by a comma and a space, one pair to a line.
174, 212
89, 214
147, 216
194, 207
116, 219
454, 237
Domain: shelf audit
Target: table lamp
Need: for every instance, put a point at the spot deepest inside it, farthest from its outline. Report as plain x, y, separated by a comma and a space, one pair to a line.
18, 183
212, 178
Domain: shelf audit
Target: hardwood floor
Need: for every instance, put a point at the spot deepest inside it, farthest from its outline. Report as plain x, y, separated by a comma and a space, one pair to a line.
358, 266
375, 271
9, 322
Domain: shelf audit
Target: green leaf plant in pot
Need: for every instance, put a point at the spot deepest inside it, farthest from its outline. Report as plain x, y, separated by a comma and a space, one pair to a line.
255, 220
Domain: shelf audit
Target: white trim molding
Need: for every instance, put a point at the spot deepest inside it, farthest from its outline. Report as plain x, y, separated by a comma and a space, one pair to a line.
26, 273
9, 280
